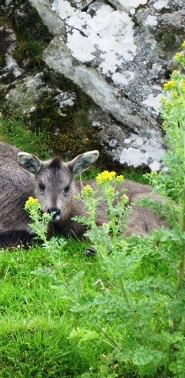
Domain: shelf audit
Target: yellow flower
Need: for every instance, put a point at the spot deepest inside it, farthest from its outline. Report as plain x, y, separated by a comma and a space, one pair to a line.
178, 54
153, 174
175, 95
105, 176
120, 178
32, 202
183, 44
179, 57
110, 191
168, 104
87, 190
124, 199
169, 85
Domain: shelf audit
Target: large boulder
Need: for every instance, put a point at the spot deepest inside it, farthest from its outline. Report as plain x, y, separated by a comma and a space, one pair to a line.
119, 55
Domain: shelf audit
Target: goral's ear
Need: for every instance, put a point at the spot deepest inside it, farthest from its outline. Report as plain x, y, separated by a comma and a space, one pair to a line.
83, 162
29, 162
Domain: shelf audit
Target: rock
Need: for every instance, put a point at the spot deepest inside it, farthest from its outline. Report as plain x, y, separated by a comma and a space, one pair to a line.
119, 54
113, 55
155, 166
24, 96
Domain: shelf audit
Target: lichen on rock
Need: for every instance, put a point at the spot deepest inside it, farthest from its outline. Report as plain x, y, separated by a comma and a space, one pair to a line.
99, 75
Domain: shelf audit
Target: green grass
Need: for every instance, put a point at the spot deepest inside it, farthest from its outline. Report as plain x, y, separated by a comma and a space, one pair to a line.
47, 332
16, 132
36, 321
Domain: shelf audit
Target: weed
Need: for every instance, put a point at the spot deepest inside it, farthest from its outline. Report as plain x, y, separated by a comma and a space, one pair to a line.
141, 316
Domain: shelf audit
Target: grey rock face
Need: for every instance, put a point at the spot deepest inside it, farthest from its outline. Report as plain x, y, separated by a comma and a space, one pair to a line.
120, 54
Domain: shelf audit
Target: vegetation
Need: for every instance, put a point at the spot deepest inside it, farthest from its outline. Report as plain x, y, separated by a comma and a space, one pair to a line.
119, 313
17, 132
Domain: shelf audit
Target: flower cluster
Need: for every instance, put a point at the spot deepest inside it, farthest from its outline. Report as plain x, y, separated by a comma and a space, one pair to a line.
169, 85
119, 179
110, 191
173, 111
32, 203
153, 174
124, 199
107, 176
87, 191
179, 57
176, 84
39, 220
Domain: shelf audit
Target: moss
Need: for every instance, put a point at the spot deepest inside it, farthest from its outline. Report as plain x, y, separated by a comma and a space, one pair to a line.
169, 39
70, 128
32, 35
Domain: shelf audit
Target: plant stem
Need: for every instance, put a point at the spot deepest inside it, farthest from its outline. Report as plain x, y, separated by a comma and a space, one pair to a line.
132, 311
113, 225
127, 300
112, 342
166, 366
63, 280
182, 258
178, 139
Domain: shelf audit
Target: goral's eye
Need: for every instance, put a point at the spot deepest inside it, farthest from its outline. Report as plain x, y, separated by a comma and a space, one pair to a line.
66, 189
42, 187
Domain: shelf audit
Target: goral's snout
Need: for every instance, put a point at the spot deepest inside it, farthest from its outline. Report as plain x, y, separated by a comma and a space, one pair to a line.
55, 214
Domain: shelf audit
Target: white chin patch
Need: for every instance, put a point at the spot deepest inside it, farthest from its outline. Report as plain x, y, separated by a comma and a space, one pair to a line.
55, 218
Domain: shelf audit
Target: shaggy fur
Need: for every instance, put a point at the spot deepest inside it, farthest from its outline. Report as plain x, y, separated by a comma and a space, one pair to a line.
52, 182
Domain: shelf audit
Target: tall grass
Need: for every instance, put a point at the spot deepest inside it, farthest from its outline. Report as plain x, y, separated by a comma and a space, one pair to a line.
17, 132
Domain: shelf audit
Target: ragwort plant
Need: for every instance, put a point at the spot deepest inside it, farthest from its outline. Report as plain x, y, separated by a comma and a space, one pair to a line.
54, 246
105, 238
139, 309
40, 220
130, 311
171, 184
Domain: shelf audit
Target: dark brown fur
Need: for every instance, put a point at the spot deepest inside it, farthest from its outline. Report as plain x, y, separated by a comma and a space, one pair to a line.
52, 182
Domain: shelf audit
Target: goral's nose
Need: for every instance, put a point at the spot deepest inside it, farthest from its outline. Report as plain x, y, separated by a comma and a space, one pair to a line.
55, 212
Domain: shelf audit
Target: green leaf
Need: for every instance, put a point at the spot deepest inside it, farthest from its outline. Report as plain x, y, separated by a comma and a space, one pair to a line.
142, 356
